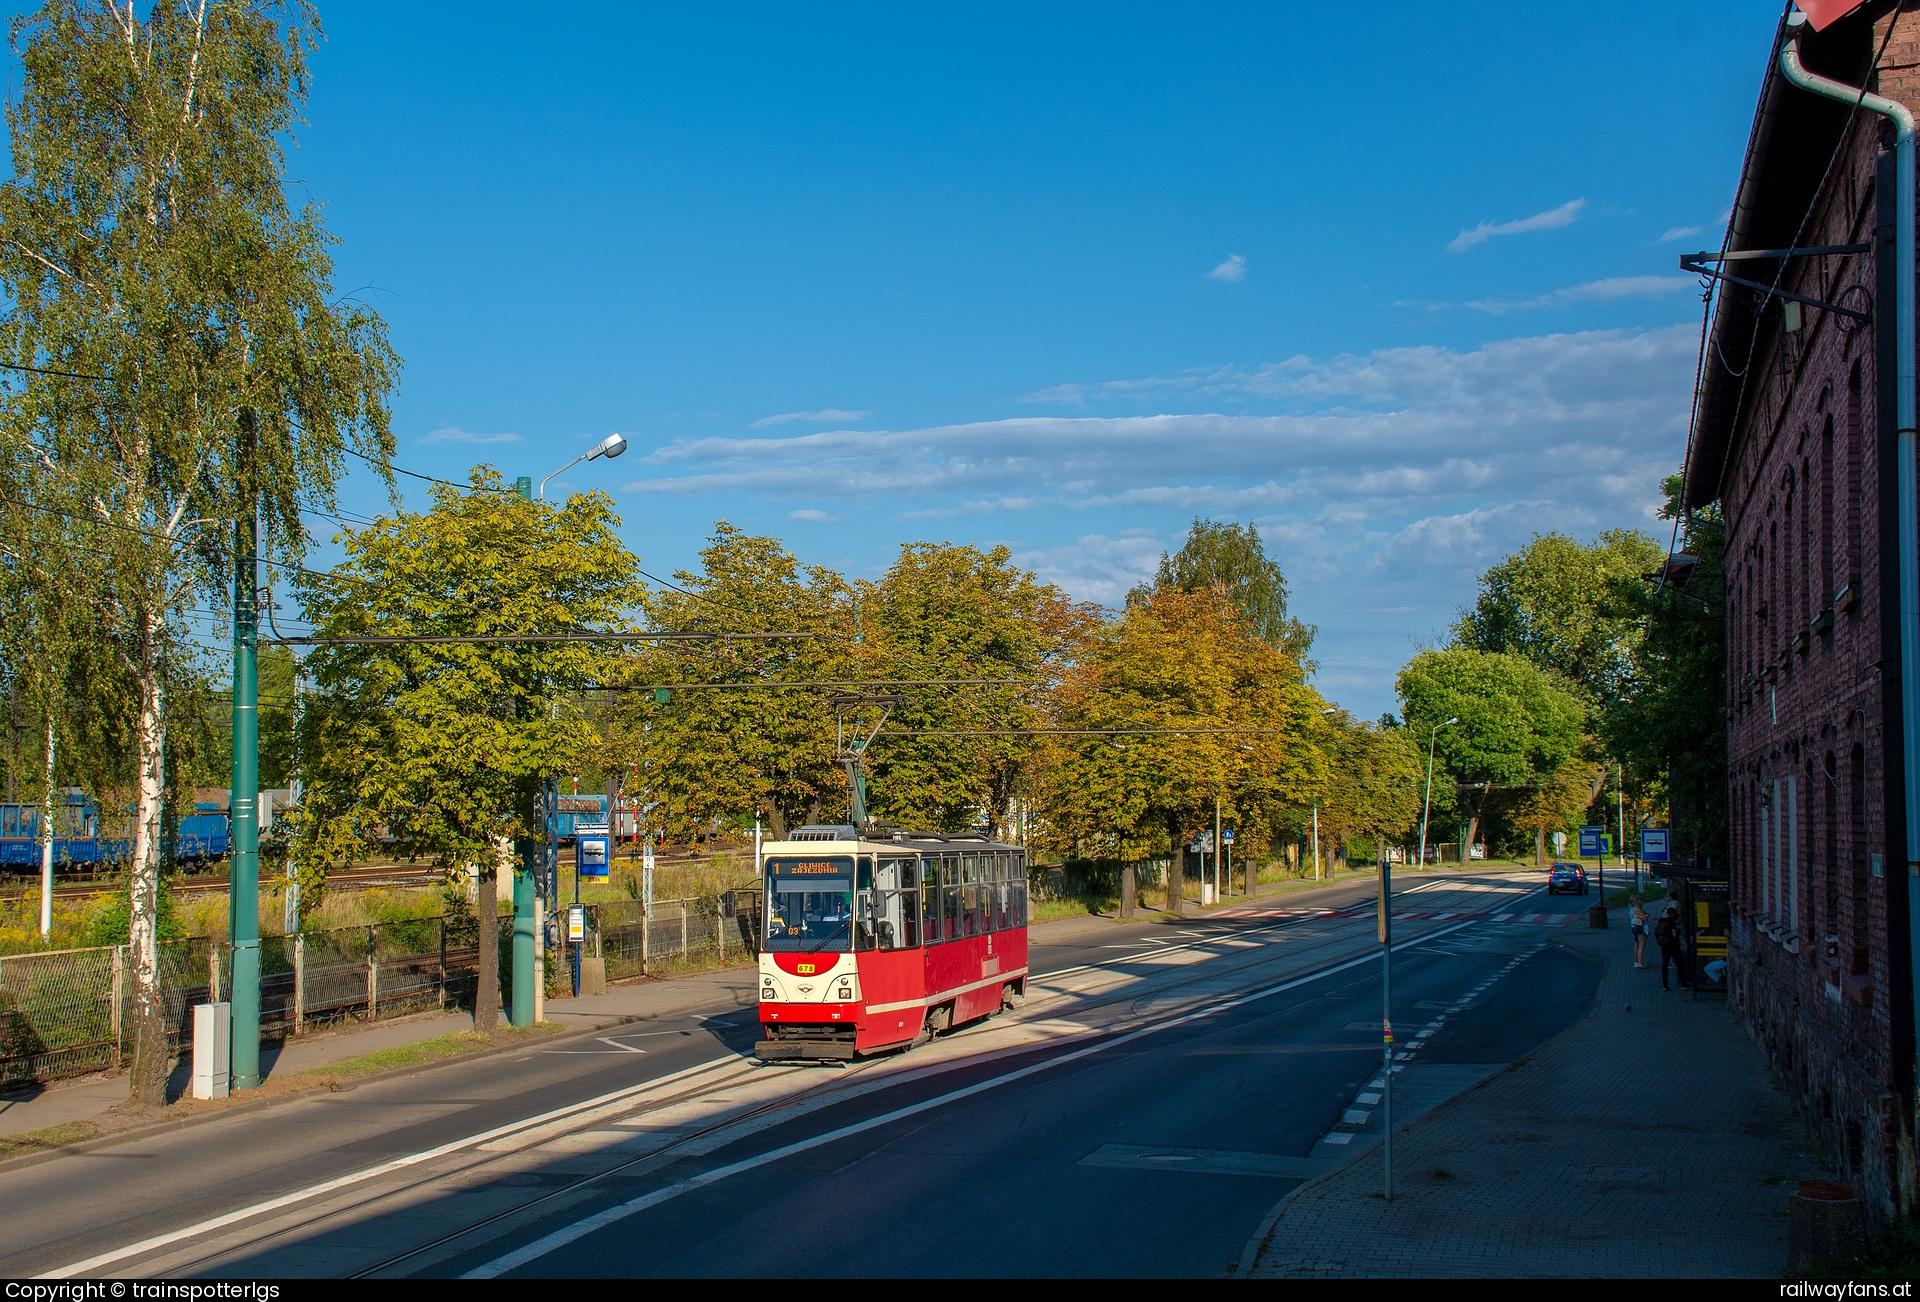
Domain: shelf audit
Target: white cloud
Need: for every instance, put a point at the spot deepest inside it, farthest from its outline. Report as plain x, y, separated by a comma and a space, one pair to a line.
810, 515
1097, 567
1594, 291
453, 434
1383, 482
1233, 269
1553, 218
824, 414
1677, 233
1398, 422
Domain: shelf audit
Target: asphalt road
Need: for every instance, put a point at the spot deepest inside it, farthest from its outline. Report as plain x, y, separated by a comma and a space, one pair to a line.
1161, 1089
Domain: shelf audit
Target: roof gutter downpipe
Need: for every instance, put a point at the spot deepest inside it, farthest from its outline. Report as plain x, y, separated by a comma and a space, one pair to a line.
1904, 421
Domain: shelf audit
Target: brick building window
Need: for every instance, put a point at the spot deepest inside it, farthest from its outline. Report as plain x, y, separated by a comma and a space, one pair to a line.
1856, 473
1857, 836
1826, 515
1830, 857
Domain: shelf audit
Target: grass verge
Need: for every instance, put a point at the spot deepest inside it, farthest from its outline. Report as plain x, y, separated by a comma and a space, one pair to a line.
334, 1076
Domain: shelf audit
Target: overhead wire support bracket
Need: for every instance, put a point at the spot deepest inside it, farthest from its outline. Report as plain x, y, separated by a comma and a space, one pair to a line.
1696, 263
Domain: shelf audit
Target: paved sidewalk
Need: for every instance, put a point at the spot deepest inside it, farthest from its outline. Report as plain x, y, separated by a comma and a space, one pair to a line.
1637, 1144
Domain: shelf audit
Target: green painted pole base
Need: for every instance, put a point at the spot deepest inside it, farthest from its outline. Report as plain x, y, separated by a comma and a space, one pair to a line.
523, 937
243, 891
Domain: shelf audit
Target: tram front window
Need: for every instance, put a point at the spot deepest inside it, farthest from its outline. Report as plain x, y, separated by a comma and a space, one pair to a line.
810, 904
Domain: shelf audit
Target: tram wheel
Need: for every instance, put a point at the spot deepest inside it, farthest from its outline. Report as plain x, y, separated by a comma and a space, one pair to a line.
939, 1020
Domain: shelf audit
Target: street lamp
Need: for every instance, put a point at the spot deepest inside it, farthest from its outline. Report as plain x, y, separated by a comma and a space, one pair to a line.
1427, 805
529, 903
610, 446
1331, 709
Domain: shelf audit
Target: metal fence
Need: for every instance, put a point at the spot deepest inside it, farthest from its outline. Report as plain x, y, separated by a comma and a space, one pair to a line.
68, 1012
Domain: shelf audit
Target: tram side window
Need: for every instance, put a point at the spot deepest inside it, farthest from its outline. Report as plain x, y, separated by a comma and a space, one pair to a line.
1000, 922
950, 886
970, 893
1017, 892
896, 907
930, 899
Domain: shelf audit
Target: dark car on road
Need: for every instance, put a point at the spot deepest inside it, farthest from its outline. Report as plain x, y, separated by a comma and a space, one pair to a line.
1568, 877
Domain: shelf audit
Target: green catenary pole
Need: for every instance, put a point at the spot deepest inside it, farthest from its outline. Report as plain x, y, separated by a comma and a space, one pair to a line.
244, 891
526, 862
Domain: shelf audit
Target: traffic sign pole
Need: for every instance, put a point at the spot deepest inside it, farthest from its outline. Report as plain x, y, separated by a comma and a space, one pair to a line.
1386, 1014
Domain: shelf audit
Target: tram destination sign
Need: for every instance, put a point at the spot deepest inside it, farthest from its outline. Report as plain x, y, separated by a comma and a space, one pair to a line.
830, 866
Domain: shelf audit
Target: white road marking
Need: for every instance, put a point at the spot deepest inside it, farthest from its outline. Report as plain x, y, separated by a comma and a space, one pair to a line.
620, 1211
600, 1102
367, 1173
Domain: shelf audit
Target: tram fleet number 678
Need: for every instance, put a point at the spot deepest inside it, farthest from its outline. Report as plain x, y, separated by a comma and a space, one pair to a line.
874, 944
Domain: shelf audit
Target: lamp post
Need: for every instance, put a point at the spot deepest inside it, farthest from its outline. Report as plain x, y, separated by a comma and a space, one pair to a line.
1426, 806
1331, 709
529, 929
611, 446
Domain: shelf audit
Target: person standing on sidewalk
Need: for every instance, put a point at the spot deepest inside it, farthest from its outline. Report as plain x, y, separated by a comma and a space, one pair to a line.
1637, 924
1666, 934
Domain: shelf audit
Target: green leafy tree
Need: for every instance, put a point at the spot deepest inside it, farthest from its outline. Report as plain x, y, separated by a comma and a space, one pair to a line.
1232, 559
438, 750
1204, 710
1373, 785
947, 612
1517, 724
1554, 802
1571, 608
1669, 725
730, 740
194, 361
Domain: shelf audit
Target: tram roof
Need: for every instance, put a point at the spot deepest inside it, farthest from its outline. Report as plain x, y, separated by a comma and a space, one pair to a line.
816, 837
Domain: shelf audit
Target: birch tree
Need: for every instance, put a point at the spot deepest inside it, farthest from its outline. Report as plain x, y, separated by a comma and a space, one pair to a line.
178, 356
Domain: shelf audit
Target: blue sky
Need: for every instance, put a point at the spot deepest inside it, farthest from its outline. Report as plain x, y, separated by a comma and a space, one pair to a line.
1397, 284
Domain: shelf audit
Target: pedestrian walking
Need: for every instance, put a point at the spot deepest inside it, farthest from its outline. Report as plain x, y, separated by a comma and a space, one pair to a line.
1638, 924
1666, 934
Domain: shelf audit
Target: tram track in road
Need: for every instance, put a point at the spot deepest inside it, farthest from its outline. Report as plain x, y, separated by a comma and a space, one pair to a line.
1114, 1037
475, 1154
660, 1156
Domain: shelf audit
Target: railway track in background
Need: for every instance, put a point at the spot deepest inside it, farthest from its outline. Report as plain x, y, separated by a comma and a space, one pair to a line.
362, 875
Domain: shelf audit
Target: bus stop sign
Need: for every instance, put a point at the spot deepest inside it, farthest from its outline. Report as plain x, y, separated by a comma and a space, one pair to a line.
1653, 845
1593, 841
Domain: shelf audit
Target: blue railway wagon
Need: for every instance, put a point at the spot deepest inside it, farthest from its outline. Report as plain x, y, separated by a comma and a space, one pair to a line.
83, 839
578, 810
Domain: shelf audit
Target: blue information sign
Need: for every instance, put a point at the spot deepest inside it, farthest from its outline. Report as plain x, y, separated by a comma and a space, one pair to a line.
592, 849
1653, 845
1593, 842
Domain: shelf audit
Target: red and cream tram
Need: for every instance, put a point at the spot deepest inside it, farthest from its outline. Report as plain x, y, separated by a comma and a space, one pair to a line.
873, 944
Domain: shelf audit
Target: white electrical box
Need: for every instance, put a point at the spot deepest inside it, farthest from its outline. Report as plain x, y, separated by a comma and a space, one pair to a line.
212, 1050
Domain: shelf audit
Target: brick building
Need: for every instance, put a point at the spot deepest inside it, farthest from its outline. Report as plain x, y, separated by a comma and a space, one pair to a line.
1794, 438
